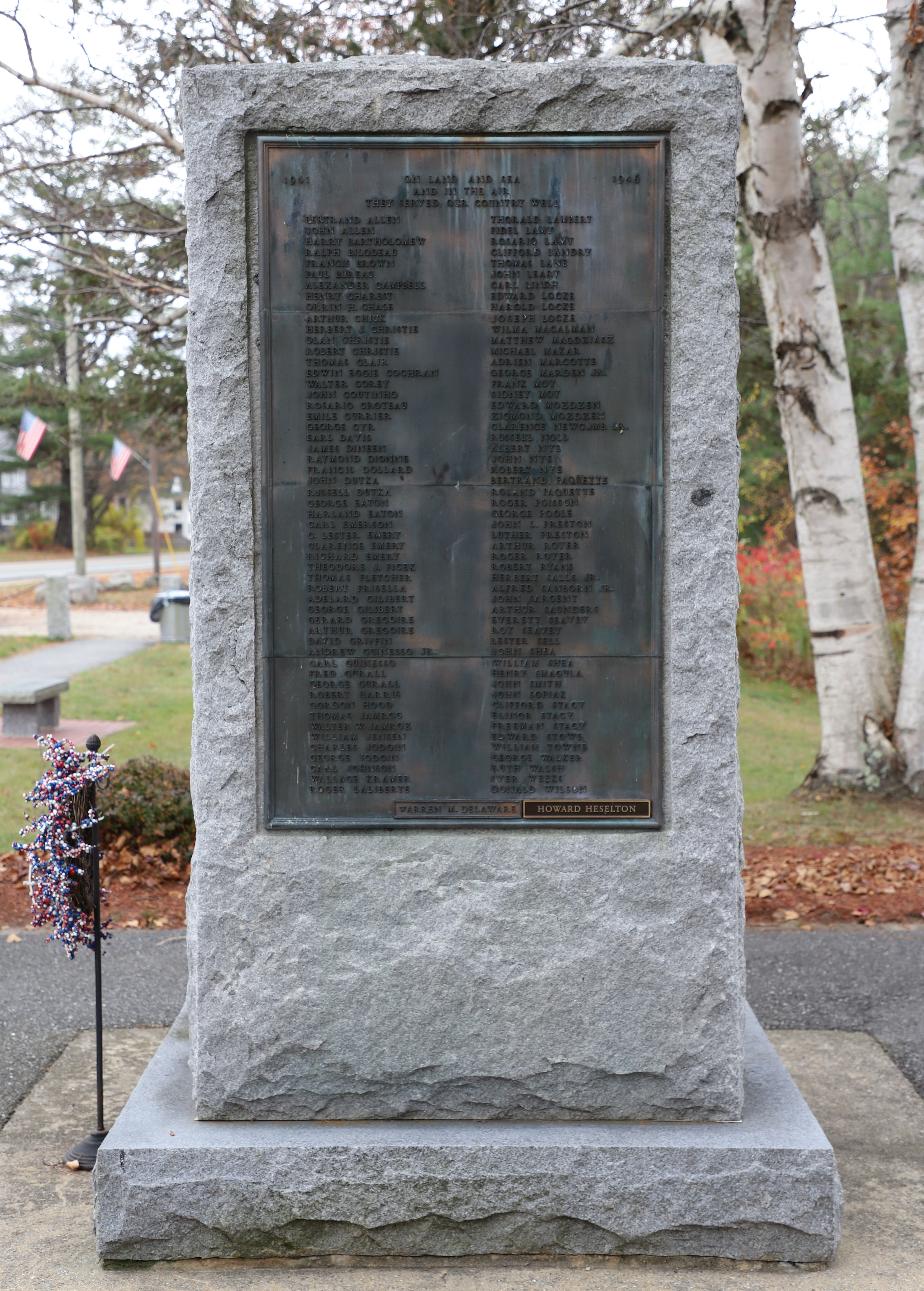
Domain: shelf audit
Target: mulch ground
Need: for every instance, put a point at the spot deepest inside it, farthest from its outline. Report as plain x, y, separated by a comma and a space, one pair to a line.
846, 883
805, 885
146, 886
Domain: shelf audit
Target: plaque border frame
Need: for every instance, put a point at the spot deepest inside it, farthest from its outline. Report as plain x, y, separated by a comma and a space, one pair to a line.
263, 141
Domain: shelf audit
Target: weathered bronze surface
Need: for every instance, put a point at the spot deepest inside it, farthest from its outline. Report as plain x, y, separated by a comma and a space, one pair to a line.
463, 356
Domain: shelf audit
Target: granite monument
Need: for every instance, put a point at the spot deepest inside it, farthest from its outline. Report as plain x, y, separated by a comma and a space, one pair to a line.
465, 921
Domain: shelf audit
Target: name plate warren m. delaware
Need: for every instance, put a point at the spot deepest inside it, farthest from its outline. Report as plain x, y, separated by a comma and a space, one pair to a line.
462, 351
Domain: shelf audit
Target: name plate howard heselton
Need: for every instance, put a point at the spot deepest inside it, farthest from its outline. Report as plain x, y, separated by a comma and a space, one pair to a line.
462, 353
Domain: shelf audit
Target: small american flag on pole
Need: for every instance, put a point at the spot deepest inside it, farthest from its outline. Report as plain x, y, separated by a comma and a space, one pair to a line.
121, 456
31, 430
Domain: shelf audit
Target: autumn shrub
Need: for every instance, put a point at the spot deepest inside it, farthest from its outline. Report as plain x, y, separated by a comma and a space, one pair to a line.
889, 481
148, 800
117, 530
773, 631
36, 535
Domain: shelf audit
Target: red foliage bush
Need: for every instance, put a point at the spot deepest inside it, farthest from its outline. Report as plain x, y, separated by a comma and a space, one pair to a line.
773, 632
889, 481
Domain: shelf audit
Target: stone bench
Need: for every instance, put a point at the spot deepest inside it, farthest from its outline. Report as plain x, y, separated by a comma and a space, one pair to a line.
32, 708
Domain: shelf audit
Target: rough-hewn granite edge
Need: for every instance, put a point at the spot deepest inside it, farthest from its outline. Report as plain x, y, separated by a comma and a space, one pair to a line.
766, 1188
247, 885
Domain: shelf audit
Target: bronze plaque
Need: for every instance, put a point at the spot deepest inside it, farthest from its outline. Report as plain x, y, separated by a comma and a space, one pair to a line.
462, 356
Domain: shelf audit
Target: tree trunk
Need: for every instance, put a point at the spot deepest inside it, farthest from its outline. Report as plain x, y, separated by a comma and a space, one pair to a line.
906, 220
854, 663
155, 510
63, 523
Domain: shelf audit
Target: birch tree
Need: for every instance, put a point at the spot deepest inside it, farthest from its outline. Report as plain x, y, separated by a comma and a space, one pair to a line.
906, 221
854, 665
855, 670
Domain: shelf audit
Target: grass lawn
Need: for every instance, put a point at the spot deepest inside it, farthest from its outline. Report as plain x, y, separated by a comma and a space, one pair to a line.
778, 738
151, 688
18, 645
778, 741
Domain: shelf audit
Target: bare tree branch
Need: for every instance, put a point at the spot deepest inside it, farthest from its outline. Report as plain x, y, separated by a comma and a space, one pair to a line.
33, 80
661, 23
228, 28
70, 161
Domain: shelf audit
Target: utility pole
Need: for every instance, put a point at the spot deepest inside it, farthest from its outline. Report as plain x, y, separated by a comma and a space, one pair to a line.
155, 511
75, 436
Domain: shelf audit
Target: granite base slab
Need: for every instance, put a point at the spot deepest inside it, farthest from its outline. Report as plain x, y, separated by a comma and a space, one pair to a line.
170, 1187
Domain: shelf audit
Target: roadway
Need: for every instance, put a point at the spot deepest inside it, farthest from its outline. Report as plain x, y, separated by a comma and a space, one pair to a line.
27, 571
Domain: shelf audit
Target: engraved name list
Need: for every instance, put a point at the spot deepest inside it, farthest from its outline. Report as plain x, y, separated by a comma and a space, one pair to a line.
462, 353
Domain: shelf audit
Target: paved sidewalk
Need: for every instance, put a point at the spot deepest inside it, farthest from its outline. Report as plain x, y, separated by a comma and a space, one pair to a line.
65, 659
849, 979
869, 1111
46, 998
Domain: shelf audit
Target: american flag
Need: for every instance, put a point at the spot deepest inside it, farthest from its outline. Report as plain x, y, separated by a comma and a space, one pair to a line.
31, 430
121, 456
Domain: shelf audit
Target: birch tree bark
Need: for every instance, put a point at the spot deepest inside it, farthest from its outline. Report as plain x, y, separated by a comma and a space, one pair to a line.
906, 219
854, 664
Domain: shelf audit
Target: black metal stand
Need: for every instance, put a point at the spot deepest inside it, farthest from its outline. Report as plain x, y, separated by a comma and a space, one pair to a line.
84, 1152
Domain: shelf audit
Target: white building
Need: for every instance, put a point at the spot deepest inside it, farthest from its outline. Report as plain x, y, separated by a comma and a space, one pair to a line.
174, 511
173, 506
14, 485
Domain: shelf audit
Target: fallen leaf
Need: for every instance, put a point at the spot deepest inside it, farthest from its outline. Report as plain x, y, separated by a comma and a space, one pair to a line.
13, 936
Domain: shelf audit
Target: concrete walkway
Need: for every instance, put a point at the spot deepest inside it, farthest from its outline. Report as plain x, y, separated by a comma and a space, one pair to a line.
86, 622
856, 979
873, 1117
65, 659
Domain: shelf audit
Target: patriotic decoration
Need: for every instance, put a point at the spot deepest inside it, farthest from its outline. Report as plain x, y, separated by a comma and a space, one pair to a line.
120, 458
59, 855
31, 430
